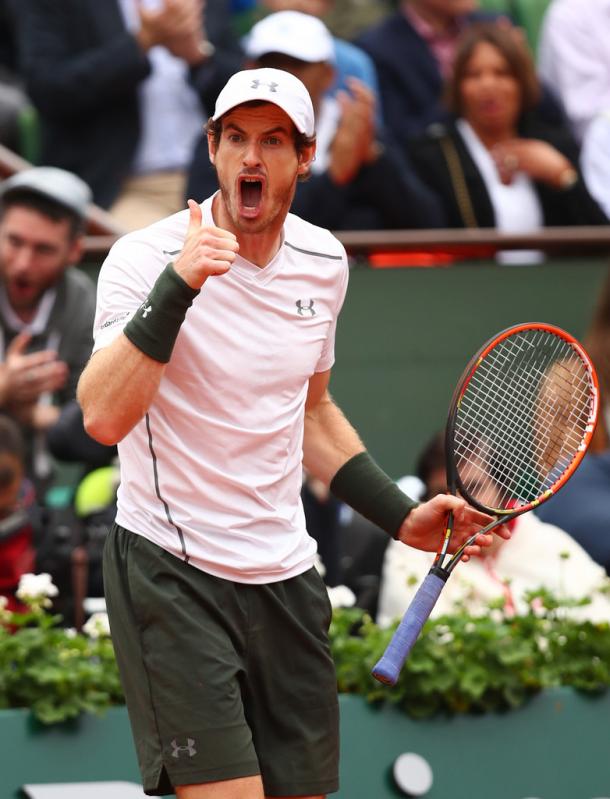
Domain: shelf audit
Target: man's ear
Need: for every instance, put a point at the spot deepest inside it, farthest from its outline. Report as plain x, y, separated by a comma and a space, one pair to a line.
306, 156
77, 248
211, 147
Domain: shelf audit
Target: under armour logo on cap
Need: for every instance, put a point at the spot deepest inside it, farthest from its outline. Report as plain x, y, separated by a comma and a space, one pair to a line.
272, 85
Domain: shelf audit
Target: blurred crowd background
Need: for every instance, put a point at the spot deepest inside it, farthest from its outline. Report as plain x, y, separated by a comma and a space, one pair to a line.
430, 114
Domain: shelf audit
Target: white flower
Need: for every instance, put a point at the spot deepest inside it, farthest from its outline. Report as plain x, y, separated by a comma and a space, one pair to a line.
341, 597
97, 625
36, 588
5, 615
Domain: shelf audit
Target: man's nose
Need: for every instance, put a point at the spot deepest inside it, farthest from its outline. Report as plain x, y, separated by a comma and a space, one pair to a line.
23, 259
252, 156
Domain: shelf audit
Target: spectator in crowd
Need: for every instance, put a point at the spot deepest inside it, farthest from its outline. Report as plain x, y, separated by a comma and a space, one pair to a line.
357, 181
413, 51
18, 523
538, 555
46, 308
595, 159
123, 88
350, 61
574, 58
498, 164
582, 507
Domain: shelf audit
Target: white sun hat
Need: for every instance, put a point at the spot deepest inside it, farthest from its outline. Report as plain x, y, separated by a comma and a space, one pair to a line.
292, 33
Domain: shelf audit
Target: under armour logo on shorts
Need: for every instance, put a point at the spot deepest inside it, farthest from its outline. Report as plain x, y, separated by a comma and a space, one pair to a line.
189, 748
146, 309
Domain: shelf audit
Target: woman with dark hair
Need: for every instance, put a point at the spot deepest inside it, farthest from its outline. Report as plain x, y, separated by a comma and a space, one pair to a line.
497, 164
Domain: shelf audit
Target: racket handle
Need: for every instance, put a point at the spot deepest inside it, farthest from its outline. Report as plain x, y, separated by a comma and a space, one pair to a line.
388, 667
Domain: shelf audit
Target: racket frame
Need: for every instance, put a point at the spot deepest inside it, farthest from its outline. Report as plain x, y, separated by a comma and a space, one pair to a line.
454, 482
387, 669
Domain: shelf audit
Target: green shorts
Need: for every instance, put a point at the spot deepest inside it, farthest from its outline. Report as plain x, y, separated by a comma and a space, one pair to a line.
222, 680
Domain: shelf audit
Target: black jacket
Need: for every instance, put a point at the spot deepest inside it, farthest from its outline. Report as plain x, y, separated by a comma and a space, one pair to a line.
573, 206
410, 81
82, 70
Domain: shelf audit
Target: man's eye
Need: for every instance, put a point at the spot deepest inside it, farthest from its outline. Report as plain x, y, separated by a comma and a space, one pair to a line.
274, 140
234, 137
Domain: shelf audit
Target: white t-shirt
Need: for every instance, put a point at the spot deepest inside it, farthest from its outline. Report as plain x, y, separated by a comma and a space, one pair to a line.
213, 472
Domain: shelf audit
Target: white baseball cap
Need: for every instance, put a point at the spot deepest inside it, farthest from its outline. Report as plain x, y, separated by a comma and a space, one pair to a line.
292, 33
62, 187
272, 86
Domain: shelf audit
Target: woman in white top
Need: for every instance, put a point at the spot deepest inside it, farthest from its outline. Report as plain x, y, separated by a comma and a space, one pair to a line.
496, 164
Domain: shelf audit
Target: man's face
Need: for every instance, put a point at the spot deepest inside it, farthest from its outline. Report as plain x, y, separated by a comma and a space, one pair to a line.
257, 166
34, 252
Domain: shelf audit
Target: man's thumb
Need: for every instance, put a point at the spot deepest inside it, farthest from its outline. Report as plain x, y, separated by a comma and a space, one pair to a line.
195, 217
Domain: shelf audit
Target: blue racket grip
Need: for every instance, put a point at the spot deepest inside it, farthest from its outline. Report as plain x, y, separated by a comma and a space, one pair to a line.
388, 667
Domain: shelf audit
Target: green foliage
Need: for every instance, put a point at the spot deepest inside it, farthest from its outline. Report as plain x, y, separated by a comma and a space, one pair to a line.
54, 671
461, 663
467, 664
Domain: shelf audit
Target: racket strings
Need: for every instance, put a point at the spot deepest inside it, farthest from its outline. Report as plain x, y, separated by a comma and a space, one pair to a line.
548, 451
522, 419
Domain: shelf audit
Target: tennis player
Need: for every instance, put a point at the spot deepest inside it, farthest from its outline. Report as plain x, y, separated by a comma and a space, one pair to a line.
214, 340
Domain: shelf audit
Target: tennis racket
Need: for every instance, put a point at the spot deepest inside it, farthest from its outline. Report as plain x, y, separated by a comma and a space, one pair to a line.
520, 421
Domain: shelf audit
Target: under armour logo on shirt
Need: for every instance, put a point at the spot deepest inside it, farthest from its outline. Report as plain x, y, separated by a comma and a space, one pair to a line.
272, 85
302, 308
189, 748
146, 309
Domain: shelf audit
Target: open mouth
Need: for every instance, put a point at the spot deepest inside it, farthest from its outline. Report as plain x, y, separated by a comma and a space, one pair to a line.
251, 194
21, 285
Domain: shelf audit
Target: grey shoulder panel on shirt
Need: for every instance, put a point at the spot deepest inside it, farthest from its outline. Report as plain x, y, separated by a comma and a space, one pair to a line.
312, 252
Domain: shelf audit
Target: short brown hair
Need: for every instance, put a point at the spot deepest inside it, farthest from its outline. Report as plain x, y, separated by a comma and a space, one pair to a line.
33, 201
510, 43
301, 140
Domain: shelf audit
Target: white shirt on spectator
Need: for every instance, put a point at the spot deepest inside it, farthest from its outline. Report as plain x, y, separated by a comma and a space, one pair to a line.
595, 160
516, 206
170, 110
538, 555
574, 58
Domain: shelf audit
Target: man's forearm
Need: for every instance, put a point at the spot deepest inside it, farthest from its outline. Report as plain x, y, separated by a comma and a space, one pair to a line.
333, 452
116, 389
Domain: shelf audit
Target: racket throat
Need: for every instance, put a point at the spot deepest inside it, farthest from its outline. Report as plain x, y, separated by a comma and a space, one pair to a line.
440, 572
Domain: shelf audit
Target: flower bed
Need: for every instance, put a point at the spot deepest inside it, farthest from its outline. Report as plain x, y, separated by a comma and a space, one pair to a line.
460, 664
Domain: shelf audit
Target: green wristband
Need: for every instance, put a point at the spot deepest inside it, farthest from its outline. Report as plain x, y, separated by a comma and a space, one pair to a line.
363, 485
154, 327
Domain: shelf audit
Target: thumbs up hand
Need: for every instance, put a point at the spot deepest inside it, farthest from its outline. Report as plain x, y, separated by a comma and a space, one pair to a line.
207, 250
